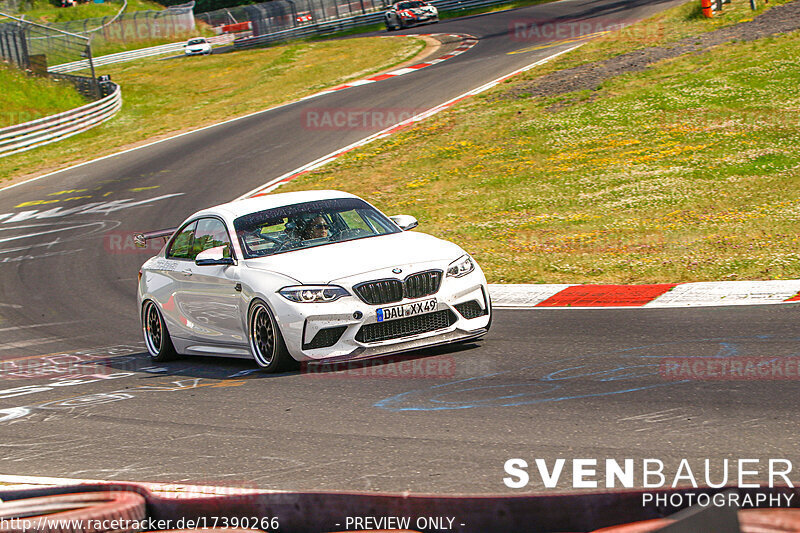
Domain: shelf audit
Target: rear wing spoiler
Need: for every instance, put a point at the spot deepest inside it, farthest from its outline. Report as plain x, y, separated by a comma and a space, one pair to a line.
140, 239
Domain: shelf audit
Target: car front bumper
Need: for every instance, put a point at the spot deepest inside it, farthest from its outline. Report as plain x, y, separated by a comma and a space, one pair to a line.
462, 312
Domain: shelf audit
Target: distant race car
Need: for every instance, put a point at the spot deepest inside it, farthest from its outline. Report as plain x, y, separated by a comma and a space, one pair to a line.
410, 12
306, 276
197, 46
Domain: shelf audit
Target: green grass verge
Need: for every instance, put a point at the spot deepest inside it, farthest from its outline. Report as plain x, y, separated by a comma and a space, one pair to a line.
102, 46
43, 11
662, 29
164, 97
686, 172
24, 98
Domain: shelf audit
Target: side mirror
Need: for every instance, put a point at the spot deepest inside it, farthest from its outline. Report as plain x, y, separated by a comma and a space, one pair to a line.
406, 222
213, 256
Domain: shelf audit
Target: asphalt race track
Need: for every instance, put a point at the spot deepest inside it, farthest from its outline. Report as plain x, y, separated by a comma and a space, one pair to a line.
543, 384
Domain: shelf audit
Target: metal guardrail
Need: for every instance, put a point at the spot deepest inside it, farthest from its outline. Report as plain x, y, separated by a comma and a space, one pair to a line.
131, 55
333, 26
22, 137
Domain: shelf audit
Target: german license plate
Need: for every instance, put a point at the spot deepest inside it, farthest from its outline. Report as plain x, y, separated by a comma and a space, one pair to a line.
402, 311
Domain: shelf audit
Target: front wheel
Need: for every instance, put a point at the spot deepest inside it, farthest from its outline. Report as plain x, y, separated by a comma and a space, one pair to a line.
266, 342
156, 336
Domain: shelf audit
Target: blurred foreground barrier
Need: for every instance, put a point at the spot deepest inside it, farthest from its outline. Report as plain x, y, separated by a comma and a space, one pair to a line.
318, 512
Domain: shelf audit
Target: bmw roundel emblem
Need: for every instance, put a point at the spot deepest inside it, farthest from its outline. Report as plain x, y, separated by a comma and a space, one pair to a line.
397, 270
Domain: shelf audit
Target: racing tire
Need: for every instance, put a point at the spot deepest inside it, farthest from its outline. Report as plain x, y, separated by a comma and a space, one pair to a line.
266, 341
389, 27
156, 336
74, 513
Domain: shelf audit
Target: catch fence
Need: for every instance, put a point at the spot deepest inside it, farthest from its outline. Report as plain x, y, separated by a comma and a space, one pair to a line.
268, 29
139, 25
279, 15
34, 47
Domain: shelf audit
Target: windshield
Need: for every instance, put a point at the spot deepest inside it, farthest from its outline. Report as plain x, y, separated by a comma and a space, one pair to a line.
309, 224
410, 5
197, 41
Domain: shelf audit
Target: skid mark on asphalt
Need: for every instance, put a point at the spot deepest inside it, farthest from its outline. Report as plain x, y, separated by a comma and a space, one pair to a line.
24, 378
587, 376
38, 325
73, 404
682, 421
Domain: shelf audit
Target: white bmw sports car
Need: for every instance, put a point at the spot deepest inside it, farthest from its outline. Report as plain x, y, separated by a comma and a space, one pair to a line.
306, 276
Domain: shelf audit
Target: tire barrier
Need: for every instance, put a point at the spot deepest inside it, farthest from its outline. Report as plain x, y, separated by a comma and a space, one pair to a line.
73, 513
317, 512
22, 137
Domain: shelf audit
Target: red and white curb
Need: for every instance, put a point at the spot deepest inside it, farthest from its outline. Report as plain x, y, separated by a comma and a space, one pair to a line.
293, 174
699, 294
468, 41
167, 490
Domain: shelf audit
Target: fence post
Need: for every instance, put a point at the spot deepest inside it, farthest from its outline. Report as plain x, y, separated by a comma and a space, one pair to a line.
95, 85
293, 10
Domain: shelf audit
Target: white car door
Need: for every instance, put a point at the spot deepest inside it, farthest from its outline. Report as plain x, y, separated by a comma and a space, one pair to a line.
211, 296
169, 290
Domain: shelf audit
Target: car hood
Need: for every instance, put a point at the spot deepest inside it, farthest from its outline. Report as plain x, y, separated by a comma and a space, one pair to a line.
323, 264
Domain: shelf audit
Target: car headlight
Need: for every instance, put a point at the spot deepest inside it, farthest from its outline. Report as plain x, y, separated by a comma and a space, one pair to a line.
461, 267
313, 293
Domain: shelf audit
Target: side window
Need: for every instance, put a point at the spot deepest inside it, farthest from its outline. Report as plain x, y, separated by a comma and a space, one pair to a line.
181, 247
355, 221
210, 233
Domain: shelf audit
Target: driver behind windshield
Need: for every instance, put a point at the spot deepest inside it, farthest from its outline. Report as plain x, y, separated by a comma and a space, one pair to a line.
316, 228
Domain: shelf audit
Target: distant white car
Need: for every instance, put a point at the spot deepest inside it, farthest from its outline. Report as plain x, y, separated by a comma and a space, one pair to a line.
315, 275
197, 46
